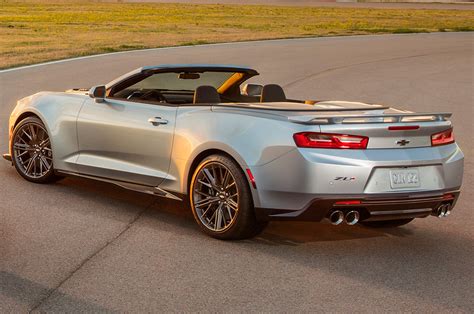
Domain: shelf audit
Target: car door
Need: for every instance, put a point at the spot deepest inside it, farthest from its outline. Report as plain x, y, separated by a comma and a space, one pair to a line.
125, 140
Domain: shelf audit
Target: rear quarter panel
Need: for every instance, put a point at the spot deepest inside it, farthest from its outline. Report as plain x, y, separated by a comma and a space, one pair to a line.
252, 138
289, 177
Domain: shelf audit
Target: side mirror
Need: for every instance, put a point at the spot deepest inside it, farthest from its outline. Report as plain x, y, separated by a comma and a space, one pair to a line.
98, 93
252, 90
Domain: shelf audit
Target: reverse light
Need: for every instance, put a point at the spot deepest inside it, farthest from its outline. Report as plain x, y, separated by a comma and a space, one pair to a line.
442, 138
330, 140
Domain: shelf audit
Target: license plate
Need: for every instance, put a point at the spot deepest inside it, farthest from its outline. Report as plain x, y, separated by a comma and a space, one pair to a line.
404, 178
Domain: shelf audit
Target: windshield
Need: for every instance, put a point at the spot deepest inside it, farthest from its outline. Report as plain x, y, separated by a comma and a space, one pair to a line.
182, 81
177, 87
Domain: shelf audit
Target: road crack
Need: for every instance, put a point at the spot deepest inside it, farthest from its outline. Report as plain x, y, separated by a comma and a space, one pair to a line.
38, 304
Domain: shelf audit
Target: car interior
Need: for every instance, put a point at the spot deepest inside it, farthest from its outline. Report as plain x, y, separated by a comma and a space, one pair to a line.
196, 88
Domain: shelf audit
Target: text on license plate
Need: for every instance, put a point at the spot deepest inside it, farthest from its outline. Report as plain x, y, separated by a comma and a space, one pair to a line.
404, 178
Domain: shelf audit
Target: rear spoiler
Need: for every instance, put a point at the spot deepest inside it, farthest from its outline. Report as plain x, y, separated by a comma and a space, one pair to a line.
370, 118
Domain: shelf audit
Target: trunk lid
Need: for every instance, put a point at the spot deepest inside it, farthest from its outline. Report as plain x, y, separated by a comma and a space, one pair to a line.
385, 127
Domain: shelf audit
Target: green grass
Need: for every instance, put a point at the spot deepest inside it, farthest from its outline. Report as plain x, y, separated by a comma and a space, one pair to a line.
36, 31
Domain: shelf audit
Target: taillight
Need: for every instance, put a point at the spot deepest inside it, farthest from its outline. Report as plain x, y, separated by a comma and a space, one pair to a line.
442, 138
329, 140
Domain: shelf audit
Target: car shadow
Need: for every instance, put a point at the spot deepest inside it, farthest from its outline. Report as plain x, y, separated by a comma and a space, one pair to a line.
296, 233
414, 261
411, 261
277, 233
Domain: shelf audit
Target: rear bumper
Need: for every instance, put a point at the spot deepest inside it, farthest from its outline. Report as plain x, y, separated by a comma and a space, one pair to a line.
370, 207
295, 180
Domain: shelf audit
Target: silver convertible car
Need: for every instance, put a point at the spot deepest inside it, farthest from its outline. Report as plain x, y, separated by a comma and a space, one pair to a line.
242, 153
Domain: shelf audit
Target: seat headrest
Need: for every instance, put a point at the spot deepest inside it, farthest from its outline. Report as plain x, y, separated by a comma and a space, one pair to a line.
272, 93
252, 90
206, 95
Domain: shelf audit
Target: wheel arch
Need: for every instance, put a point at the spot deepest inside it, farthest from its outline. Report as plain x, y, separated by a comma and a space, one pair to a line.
216, 151
22, 116
25, 115
203, 155
47, 175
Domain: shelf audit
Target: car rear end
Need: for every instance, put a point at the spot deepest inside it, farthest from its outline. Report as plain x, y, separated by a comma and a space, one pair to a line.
363, 167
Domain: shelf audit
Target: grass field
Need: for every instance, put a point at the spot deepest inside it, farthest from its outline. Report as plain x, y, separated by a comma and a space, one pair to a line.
35, 31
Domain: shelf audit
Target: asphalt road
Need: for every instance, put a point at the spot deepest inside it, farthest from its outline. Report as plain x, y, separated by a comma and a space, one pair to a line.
85, 246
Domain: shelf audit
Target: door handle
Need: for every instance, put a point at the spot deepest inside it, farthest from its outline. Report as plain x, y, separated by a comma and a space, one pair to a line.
157, 121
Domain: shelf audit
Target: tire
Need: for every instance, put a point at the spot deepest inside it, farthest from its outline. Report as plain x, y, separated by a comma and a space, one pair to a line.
221, 200
31, 150
387, 223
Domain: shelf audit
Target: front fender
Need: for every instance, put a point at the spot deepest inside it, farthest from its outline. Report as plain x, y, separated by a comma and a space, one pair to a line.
25, 107
58, 112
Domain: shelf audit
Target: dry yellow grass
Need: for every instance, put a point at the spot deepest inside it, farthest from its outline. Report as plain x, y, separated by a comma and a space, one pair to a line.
35, 31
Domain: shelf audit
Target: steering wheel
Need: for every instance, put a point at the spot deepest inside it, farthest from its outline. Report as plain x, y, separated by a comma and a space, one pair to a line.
134, 94
149, 95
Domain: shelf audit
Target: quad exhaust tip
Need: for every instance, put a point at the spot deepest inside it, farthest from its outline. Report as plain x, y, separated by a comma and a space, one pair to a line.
443, 210
352, 217
336, 217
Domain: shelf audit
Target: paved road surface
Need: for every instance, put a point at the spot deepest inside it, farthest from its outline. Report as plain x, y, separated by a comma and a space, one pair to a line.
87, 246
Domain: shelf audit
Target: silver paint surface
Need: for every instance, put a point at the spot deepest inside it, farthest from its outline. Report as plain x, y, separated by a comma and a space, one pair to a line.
115, 140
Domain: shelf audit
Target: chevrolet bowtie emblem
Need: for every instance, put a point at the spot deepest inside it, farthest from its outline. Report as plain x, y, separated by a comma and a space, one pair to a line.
403, 142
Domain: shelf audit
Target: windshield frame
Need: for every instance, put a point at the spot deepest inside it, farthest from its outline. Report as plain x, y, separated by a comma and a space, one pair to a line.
138, 75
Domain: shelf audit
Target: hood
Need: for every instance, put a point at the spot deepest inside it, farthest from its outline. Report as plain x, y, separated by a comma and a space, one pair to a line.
78, 91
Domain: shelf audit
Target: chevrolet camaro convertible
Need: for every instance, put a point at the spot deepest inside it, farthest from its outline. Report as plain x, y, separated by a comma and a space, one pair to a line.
243, 154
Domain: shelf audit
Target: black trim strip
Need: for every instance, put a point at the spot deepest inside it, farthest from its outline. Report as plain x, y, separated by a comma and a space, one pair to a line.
319, 208
147, 189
